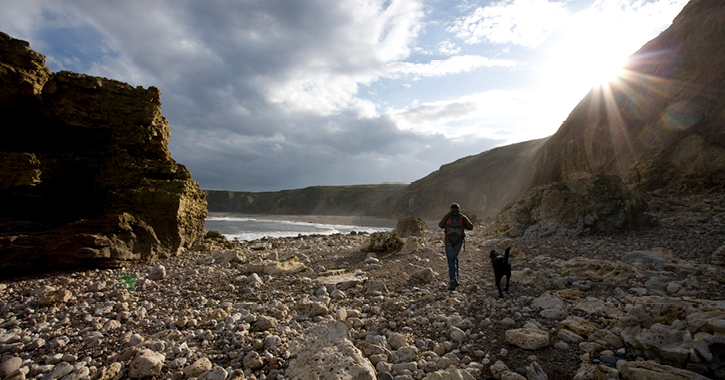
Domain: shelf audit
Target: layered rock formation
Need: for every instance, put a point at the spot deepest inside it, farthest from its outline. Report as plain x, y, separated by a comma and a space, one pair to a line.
661, 123
85, 173
595, 204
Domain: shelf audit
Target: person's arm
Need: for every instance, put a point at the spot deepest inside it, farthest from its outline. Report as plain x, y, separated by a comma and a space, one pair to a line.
444, 221
467, 223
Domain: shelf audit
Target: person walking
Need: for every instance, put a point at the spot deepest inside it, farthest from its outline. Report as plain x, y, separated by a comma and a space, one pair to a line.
454, 223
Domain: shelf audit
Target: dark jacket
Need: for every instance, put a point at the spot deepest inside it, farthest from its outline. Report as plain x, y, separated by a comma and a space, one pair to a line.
466, 224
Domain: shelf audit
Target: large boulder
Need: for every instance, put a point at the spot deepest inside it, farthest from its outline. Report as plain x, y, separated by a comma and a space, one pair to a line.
383, 242
411, 226
326, 352
87, 178
589, 204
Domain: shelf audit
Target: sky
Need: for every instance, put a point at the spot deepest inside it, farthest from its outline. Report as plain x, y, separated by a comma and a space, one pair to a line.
267, 95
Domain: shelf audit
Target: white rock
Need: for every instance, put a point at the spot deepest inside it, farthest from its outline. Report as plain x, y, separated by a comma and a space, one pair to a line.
325, 352
147, 364
528, 339
216, 373
458, 335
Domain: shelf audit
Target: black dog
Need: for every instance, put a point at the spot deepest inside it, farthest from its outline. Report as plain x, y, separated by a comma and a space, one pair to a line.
501, 267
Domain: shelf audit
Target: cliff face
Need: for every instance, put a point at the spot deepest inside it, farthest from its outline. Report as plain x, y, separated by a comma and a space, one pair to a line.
85, 173
359, 200
661, 124
481, 184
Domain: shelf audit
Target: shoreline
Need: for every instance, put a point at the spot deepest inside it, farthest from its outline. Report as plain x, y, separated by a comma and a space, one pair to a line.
359, 221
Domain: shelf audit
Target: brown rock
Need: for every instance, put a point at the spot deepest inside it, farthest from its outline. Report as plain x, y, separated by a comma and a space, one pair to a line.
411, 226
86, 172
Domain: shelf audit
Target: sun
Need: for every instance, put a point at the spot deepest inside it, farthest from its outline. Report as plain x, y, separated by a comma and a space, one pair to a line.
603, 70
577, 68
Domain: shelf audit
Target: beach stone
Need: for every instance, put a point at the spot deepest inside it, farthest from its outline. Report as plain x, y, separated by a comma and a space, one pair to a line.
78, 373
252, 360
264, 323
290, 265
158, 273
649, 370
59, 370
237, 374
341, 281
670, 343
458, 335
10, 365
55, 297
325, 352
97, 287
612, 340
535, 372
406, 354
593, 305
498, 368
109, 372
554, 314
449, 374
718, 257
197, 368
425, 275
410, 247
376, 286
528, 339
548, 301
147, 364
369, 349
569, 336
578, 325
589, 371
216, 373
396, 340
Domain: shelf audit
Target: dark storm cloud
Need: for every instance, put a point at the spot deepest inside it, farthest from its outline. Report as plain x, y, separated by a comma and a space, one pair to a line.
262, 95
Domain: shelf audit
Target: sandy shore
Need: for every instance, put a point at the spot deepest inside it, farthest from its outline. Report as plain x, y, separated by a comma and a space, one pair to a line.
362, 221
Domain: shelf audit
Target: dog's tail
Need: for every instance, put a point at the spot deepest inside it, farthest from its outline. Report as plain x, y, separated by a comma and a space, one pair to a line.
506, 255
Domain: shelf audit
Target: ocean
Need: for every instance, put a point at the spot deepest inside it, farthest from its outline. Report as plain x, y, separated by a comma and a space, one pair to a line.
249, 228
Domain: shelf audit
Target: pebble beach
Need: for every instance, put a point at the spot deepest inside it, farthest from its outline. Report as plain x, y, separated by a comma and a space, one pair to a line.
209, 315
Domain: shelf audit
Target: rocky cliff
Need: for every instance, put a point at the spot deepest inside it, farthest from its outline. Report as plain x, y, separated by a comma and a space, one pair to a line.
85, 173
359, 200
482, 184
661, 123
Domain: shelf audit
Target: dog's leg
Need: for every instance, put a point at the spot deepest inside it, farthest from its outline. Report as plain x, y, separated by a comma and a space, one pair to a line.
508, 279
498, 286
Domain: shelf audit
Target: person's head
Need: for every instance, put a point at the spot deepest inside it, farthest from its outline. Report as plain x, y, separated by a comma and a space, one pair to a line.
455, 208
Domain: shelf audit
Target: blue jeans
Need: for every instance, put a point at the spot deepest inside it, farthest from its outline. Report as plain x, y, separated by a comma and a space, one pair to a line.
452, 255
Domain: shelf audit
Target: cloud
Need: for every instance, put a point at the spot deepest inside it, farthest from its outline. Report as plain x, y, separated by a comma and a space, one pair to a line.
521, 22
452, 65
448, 48
266, 95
